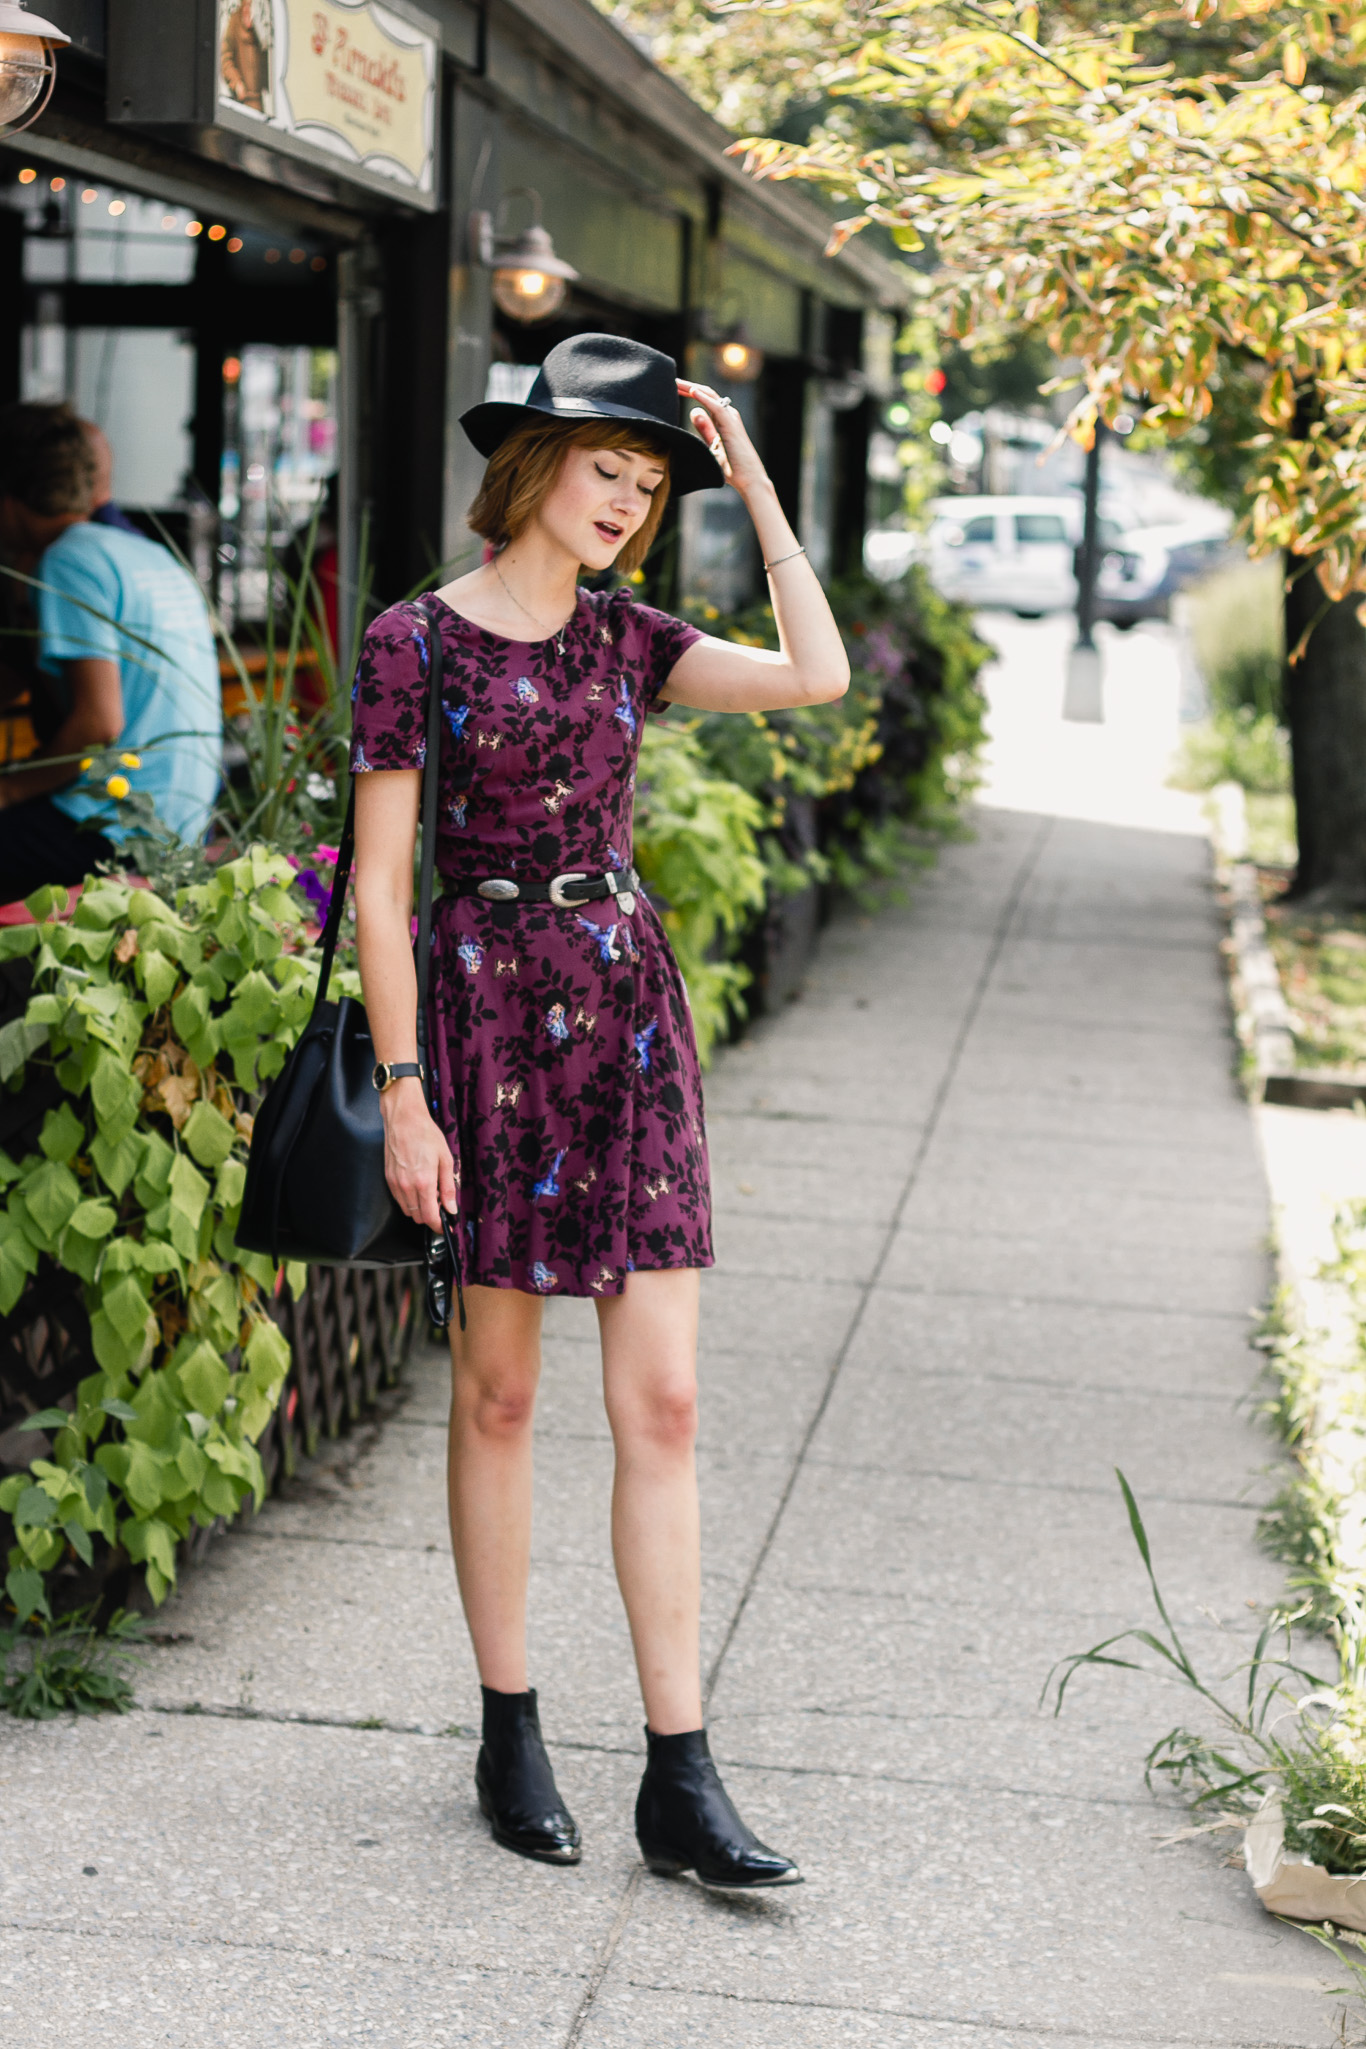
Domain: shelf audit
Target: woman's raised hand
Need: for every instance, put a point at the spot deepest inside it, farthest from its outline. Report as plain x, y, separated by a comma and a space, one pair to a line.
417, 1160
725, 434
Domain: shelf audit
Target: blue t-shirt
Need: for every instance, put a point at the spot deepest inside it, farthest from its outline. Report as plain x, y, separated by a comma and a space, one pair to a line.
117, 596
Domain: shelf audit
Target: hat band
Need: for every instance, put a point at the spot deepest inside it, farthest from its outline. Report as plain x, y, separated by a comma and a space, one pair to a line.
598, 409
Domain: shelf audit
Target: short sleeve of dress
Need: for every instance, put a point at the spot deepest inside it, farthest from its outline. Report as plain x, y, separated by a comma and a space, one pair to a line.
389, 696
660, 639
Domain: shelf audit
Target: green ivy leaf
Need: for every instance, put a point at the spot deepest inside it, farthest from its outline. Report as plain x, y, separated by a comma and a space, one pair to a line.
116, 1164
95, 1482
126, 1307
117, 1354
208, 1135
46, 1419
18, 1259
232, 1179
142, 1480
204, 1380
80, 1541
117, 1096
35, 1508
158, 977
62, 1135
19, 1040
154, 1174
25, 1588
50, 1195
189, 1191
151, 1540
266, 1354
93, 1218
122, 1412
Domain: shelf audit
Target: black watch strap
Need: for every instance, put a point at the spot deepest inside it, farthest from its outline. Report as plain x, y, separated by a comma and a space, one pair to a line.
386, 1072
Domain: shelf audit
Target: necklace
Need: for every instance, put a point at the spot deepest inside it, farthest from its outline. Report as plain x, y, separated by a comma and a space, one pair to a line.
556, 633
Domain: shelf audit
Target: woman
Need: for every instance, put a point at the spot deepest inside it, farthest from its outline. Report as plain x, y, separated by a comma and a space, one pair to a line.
563, 1123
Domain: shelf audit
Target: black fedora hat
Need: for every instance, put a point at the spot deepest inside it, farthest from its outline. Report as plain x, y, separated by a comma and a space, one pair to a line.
604, 377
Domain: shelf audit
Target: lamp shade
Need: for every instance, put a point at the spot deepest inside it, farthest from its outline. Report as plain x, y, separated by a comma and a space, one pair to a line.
28, 64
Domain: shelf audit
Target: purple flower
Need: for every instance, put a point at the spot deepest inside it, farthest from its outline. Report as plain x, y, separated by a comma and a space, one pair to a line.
314, 888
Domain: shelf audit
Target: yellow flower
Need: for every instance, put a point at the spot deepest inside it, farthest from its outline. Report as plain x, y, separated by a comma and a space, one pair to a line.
118, 786
89, 762
131, 760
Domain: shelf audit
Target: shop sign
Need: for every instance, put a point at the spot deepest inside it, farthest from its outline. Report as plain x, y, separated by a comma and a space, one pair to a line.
349, 82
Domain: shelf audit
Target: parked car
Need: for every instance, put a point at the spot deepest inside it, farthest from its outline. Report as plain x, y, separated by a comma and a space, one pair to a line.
1013, 554
1143, 568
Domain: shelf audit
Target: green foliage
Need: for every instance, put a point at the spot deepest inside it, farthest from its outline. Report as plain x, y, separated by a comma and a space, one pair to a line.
1269, 1725
155, 1019
1235, 747
68, 1666
895, 755
695, 850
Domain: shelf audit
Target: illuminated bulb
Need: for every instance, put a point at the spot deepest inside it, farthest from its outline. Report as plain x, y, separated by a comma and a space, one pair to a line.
59, 184
216, 234
739, 361
234, 245
117, 206
26, 177
89, 196
194, 227
528, 294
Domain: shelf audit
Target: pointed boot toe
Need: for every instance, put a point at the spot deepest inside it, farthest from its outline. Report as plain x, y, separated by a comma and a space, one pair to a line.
686, 1821
518, 1796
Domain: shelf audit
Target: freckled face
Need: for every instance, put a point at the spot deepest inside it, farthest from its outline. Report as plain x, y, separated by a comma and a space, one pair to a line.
600, 498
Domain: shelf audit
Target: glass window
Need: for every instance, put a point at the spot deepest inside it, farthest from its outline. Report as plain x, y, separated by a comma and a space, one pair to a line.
1039, 526
982, 529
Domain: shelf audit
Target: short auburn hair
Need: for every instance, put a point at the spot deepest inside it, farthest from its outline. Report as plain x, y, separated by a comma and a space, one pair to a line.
46, 459
524, 469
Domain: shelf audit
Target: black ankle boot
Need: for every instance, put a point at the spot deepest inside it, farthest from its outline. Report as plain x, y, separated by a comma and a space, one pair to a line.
517, 1791
685, 1820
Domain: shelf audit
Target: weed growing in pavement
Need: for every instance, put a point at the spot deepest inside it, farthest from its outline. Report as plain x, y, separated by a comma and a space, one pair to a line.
1271, 1726
51, 1668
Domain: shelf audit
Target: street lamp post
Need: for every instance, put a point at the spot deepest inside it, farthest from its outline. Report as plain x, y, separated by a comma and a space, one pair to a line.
1083, 700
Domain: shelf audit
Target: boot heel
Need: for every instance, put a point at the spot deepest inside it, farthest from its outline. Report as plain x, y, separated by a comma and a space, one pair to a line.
662, 1864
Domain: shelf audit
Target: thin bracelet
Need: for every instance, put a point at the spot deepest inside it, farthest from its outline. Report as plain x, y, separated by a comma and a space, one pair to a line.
783, 558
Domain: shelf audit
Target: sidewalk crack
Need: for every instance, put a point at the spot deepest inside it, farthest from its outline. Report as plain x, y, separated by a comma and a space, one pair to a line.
1000, 935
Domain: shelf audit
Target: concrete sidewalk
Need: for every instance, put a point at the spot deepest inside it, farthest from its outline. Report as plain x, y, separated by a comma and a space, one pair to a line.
991, 1222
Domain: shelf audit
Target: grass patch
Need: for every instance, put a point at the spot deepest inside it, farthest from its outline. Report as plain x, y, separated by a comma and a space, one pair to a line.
1322, 965
67, 1666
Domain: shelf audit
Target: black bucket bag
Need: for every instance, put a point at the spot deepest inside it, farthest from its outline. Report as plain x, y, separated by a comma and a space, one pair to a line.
315, 1188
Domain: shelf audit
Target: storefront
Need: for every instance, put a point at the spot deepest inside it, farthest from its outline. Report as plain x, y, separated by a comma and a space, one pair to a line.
270, 246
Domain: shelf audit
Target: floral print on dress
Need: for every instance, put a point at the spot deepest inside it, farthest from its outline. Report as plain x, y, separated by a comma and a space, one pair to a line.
566, 1056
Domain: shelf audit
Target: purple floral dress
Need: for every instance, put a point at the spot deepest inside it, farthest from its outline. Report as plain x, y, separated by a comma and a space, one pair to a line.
566, 1075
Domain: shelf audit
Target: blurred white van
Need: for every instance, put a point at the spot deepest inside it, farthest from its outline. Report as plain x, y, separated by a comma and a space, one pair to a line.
1014, 554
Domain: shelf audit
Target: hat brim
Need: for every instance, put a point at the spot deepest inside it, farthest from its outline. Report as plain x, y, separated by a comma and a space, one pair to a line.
692, 466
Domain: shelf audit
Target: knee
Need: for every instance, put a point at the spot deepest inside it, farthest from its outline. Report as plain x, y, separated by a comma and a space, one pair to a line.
499, 1406
663, 1418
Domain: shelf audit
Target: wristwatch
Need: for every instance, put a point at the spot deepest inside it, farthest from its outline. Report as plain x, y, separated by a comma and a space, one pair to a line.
387, 1072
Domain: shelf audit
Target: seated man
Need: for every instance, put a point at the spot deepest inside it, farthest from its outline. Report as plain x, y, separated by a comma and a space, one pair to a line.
123, 632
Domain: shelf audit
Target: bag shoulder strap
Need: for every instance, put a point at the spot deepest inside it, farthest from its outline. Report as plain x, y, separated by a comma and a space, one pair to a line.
436, 669
347, 846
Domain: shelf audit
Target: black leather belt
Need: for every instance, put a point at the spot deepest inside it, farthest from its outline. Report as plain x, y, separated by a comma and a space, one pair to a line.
564, 891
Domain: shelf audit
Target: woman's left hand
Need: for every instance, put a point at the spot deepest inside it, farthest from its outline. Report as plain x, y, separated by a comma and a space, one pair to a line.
724, 432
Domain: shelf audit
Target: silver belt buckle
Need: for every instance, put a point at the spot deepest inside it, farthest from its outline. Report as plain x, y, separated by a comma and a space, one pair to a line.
498, 890
558, 887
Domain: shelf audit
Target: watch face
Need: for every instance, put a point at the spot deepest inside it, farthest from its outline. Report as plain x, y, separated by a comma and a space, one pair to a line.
380, 1076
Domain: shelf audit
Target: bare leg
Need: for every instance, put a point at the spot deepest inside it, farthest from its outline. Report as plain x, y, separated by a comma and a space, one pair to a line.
649, 1363
496, 1364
